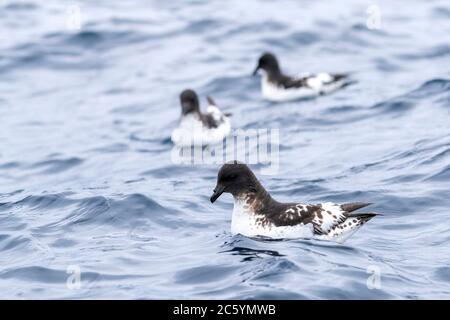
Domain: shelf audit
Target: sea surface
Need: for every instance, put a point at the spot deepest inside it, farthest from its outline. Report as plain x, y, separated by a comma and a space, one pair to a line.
92, 206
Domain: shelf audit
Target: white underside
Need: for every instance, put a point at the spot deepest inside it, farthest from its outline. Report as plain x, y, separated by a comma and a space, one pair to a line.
245, 222
317, 86
192, 132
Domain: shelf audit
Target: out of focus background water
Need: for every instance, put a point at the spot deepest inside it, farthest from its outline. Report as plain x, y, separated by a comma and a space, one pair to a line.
86, 178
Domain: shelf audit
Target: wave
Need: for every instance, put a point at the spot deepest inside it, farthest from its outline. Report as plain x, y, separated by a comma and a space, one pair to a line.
131, 211
49, 275
443, 175
81, 50
57, 165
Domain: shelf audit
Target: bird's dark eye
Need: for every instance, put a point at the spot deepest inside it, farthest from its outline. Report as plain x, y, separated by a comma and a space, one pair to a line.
232, 177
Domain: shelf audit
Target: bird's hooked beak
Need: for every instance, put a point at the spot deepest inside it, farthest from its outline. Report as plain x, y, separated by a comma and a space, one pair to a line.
218, 190
256, 70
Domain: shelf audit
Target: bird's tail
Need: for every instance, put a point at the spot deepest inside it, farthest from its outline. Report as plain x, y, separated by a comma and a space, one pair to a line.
364, 216
210, 100
340, 76
344, 79
347, 228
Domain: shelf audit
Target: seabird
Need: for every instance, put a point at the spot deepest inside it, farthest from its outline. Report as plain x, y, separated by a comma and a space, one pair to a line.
257, 214
277, 86
196, 128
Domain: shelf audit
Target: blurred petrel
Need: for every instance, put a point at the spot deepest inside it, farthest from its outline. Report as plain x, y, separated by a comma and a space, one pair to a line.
277, 86
196, 128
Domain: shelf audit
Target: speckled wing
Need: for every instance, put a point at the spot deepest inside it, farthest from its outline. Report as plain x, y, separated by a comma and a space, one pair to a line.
316, 81
213, 117
211, 120
322, 80
290, 82
323, 217
328, 216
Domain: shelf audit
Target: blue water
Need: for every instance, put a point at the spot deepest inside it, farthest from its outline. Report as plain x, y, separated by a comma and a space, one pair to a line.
87, 181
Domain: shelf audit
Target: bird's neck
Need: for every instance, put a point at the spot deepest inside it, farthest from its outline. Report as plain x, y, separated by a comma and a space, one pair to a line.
256, 200
274, 73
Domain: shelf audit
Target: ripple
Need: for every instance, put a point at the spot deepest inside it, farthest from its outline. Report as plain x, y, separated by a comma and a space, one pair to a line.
435, 52
10, 165
48, 275
21, 6
8, 242
202, 25
394, 106
443, 274
443, 175
432, 87
50, 201
93, 39
206, 274
57, 165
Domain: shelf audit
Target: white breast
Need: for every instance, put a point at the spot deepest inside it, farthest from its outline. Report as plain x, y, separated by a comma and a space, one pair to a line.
192, 132
247, 223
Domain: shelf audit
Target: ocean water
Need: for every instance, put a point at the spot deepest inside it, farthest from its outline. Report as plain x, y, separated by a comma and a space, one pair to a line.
92, 205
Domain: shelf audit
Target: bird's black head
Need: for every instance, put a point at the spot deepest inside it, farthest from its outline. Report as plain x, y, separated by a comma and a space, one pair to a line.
235, 178
269, 63
189, 102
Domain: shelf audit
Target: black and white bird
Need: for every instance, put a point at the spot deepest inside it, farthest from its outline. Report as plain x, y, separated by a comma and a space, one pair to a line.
276, 86
256, 213
199, 129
